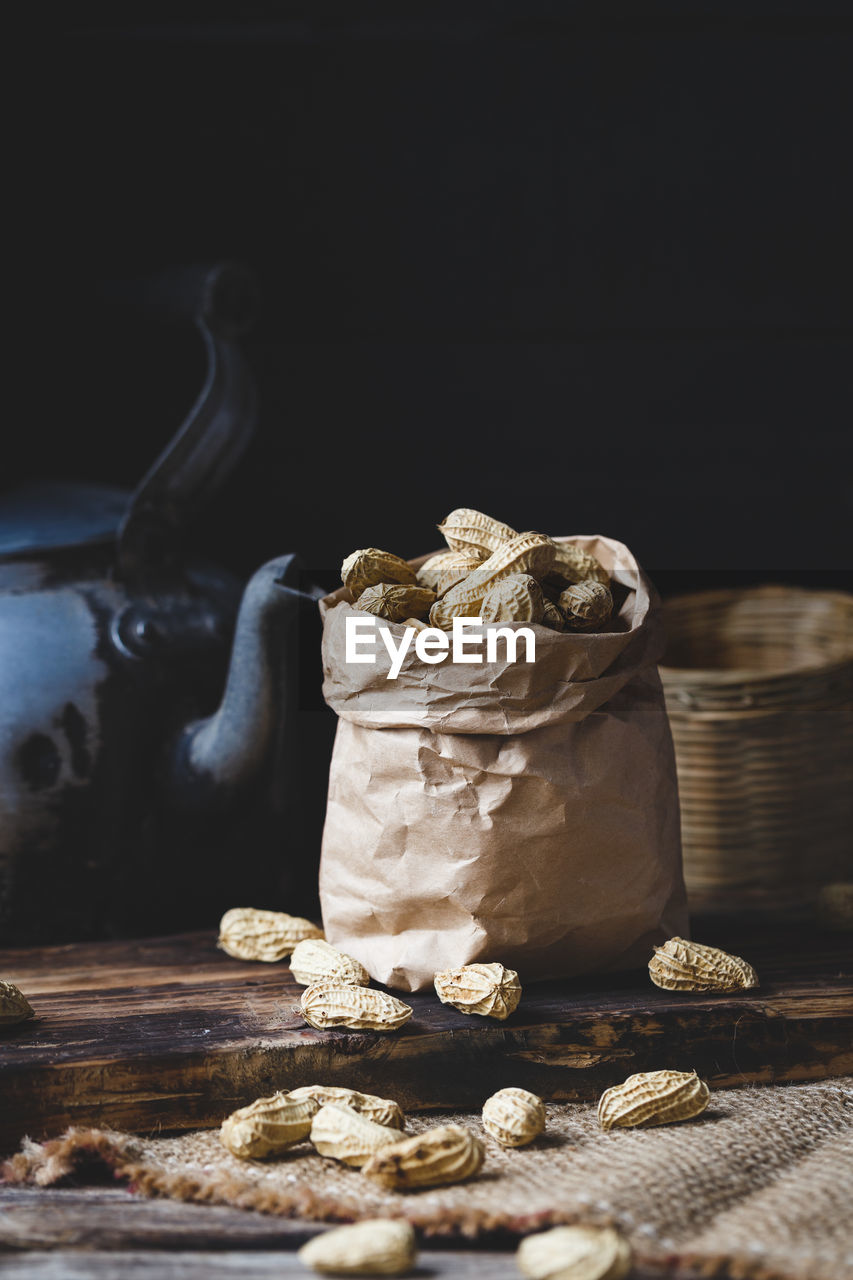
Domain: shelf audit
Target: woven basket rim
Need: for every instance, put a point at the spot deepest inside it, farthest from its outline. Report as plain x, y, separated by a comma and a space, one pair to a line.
720, 677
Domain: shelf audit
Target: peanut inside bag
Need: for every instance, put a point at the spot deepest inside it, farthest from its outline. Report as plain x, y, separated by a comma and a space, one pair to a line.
518, 811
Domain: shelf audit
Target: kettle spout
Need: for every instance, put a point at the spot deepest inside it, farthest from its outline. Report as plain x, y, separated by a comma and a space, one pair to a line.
217, 757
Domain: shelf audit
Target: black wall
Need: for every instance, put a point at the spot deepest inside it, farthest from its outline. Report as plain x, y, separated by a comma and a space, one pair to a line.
586, 266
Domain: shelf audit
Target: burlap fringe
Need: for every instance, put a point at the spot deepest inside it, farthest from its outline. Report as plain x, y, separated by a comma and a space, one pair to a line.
79, 1151
83, 1154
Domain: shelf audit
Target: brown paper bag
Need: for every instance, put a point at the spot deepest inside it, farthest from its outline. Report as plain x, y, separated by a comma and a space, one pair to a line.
526, 813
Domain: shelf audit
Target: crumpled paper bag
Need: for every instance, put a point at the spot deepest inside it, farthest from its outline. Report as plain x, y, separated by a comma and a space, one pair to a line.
526, 813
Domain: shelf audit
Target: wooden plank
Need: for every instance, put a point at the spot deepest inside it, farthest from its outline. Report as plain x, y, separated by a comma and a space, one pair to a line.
106, 1218
170, 1034
455, 1264
71, 1265
115, 1222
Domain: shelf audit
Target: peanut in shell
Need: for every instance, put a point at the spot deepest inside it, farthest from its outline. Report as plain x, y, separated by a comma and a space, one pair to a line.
586, 606
516, 598
468, 530
14, 1005
575, 1253
314, 960
349, 1136
653, 1097
331, 1003
448, 568
491, 990
395, 603
514, 1117
268, 1126
375, 1247
573, 564
528, 553
250, 933
447, 1153
370, 566
380, 1110
681, 965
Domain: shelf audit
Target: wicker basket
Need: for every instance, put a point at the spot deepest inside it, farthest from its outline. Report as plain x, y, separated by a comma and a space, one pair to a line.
759, 690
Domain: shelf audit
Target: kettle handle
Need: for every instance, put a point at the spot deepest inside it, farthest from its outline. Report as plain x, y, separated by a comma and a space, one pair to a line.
201, 455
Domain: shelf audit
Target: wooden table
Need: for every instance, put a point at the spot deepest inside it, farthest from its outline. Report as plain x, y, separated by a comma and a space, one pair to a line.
109, 1234
171, 1033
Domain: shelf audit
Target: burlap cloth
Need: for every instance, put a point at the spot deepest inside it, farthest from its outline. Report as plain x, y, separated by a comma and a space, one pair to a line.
760, 1186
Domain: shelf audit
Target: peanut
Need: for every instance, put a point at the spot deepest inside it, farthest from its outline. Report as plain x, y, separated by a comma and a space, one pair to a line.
517, 598
380, 1110
552, 615
369, 567
487, 989
653, 1097
338, 1004
575, 1253
14, 1006
587, 605
248, 933
514, 1117
465, 530
313, 960
376, 1247
395, 603
445, 1154
447, 568
680, 965
573, 564
268, 1126
348, 1136
528, 553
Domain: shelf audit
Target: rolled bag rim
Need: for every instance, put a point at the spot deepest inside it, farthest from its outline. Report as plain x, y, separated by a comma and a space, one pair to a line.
580, 672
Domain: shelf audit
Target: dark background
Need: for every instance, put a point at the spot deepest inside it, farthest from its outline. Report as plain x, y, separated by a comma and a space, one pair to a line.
586, 266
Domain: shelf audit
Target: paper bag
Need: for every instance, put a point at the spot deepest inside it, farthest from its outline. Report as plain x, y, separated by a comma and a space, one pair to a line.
526, 813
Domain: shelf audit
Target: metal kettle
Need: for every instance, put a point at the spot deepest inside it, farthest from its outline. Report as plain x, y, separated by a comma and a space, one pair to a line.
154, 735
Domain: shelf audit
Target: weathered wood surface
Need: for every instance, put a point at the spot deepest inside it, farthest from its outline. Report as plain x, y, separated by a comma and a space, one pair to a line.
70, 1265
227, 1266
114, 1218
170, 1033
189, 1240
